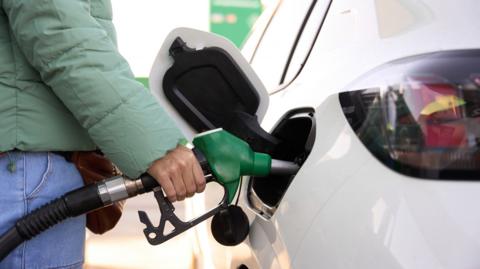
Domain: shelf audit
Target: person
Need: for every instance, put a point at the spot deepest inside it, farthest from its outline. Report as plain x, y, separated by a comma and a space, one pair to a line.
64, 87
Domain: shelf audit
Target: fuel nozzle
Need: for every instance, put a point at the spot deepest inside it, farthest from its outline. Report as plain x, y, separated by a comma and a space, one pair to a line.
229, 158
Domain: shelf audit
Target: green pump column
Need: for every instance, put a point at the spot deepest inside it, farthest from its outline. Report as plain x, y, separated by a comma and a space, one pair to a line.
234, 18
230, 158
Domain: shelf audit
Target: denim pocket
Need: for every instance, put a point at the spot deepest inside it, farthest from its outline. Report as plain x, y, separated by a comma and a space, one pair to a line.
62, 245
37, 170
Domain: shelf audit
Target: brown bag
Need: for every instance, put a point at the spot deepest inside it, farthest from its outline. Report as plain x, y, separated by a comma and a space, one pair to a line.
95, 167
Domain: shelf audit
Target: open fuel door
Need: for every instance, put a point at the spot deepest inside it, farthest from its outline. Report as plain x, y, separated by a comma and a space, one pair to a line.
204, 83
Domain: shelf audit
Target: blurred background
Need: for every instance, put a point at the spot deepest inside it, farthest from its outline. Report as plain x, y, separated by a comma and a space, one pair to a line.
141, 27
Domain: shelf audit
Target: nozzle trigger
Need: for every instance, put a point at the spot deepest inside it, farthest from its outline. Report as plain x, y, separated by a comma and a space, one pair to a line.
156, 235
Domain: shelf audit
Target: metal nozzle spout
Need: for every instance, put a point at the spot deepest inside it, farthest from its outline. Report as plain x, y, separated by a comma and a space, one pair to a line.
280, 167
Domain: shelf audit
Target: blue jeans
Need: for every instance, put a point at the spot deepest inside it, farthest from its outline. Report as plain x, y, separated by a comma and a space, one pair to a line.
36, 179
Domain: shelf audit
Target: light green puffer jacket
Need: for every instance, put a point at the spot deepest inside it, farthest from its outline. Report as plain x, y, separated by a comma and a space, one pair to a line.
65, 87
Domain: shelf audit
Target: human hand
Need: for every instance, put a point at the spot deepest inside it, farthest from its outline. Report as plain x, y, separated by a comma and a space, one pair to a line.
179, 174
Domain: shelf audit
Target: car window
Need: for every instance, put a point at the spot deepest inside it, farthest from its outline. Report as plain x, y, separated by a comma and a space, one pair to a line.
275, 46
305, 42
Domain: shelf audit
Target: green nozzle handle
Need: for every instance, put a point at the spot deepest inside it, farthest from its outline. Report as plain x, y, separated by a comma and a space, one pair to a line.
230, 158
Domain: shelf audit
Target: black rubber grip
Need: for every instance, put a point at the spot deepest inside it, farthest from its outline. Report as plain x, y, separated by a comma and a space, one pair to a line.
149, 183
202, 160
83, 200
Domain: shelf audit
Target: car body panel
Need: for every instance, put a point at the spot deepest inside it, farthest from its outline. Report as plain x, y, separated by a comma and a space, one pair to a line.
364, 215
309, 225
344, 208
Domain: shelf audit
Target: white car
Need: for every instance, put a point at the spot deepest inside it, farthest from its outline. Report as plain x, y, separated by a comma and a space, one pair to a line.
379, 103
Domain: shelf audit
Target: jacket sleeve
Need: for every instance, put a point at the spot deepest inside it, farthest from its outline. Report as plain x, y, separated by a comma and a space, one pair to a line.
77, 59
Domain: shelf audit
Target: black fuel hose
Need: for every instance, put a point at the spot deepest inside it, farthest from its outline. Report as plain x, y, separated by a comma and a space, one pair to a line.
90, 198
72, 204
77, 202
